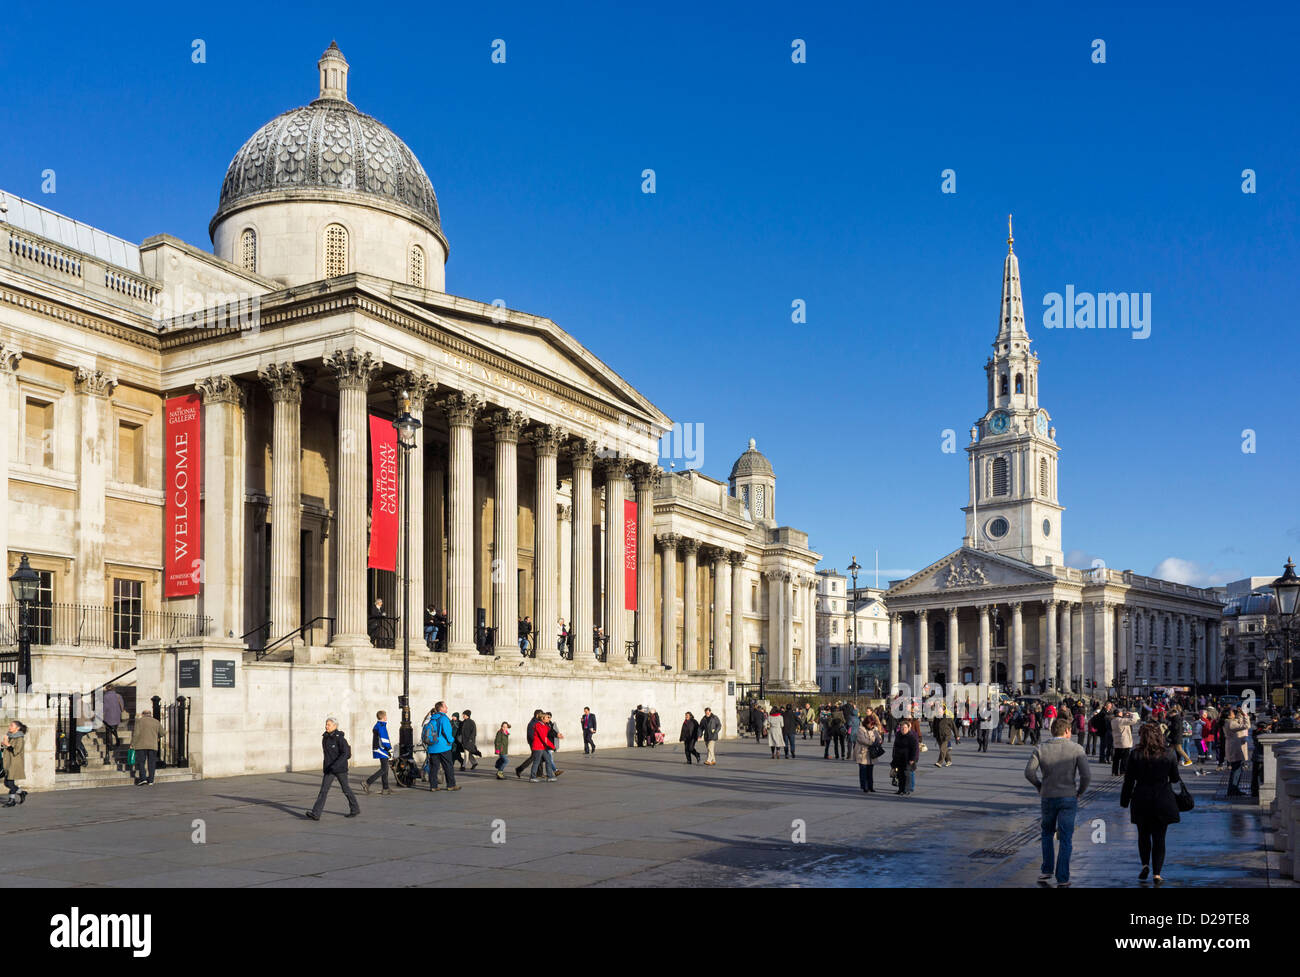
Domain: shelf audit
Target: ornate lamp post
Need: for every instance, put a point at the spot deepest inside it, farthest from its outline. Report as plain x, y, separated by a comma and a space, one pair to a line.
25, 583
1286, 589
761, 655
1128, 658
853, 604
407, 426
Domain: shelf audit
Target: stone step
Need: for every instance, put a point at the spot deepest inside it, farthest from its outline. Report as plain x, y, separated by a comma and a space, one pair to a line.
108, 777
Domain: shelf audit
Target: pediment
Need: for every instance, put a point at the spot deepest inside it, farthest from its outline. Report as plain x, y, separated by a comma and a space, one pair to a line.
966, 570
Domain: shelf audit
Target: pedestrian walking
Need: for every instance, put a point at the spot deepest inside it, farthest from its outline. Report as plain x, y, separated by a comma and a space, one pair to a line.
534, 753
834, 735
945, 732
1058, 769
907, 752
85, 724
381, 749
15, 761
541, 744
789, 728
588, 731
145, 740
710, 730
690, 734
467, 739
775, 731
1148, 794
501, 747
336, 753
868, 744
1236, 748
112, 710
440, 741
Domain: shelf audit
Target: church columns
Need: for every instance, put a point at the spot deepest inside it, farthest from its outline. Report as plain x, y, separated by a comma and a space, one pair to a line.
774, 657
922, 649
787, 626
721, 601
984, 667
435, 566
461, 410
810, 633
739, 653
895, 644
546, 441
223, 502
690, 630
507, 425
582, 453
1101, 644
284, 383
1017, 676
668, 609
93, 392
643, 483
954, 660
615, 471
1049, 654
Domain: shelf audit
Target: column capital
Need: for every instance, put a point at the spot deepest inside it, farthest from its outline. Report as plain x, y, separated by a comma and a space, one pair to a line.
645, 476
353, 368
1098, 605
283, 381
615, 469
461, 408
713, 554
220, 390
565, 512
895, 617
923, 614
580, 451
1050, 603
983, 609
415, 386
734, 557
1016, 606
507, 425
668, 541
547, 438
689, 544
9, 357
94, 383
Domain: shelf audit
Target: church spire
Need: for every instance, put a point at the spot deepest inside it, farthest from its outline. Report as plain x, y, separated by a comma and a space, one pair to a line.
1011, 325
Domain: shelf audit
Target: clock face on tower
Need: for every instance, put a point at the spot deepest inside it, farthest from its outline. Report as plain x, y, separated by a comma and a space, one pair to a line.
999, 423
1041, 422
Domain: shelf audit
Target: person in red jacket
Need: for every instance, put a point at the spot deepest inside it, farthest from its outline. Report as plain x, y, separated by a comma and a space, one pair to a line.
539, 741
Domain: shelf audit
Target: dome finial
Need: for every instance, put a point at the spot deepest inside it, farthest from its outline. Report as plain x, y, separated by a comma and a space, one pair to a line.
753, 445
333, 73
1010, 237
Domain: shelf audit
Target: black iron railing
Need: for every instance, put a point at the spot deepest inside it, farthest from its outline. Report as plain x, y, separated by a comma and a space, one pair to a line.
298, 632
383, 630
98, 625
258, 637
175, 719
630, 648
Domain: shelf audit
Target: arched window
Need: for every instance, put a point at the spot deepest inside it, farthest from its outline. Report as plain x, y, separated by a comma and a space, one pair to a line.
415, 266
1044, 482
1003, 389
336, 251
1001, 483
248, 250
1020, 383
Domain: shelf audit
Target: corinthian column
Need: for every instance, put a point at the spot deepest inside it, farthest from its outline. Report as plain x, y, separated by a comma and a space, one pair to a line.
739, 653
506, 428
922, 648
9, 421
284, 383
690, 631
1017, 647
985, 677
668, 649
93, 392
223, 503
461, 410
616, 470
582, 452
1049, 656
644, 480
435, 569
546, 441
353, 370
895, 649
954, 652
721, 598
412, 389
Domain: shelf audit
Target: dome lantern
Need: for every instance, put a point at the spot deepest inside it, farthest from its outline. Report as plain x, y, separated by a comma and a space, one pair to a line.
333, 69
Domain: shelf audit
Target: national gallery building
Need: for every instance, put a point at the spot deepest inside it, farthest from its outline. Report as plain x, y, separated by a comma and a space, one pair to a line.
319, 317
1003, 608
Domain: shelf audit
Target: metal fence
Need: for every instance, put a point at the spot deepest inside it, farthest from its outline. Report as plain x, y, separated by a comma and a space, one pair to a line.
98, 625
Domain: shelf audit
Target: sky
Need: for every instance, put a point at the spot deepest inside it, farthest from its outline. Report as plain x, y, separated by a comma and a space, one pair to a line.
779, 182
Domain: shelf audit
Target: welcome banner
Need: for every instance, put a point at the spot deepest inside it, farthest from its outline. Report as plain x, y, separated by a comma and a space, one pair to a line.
383, 494
183, 543
629, 555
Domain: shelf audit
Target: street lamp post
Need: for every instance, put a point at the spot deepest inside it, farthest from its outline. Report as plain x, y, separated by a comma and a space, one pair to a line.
25, 583
1286, 589
761, 655
407, 426
853, 603
1127, 658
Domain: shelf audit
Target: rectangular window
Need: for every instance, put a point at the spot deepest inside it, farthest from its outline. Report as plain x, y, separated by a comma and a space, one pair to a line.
835, 656
130, 453
38, 424
835, 683
753, 598
128, 612
41, 617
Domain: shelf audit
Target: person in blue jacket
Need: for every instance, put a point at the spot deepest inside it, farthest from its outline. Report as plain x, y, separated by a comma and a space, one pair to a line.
382, 750
439, 740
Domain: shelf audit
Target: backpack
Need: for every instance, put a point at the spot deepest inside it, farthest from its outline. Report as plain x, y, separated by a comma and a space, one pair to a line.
430, 733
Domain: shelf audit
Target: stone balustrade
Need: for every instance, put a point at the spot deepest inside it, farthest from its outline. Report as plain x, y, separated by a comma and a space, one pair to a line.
1280, 793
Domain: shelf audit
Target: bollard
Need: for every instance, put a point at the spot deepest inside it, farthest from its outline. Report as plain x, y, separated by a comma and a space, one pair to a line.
1288, 770
1293, 795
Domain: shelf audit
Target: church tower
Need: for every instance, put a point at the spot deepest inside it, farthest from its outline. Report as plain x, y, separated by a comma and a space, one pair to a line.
1012, 507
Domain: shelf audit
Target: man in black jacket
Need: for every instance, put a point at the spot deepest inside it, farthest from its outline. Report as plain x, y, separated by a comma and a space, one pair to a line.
337, 752
588, 731
945, 731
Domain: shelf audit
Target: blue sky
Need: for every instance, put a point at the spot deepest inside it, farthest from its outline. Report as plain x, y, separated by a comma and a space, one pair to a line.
779, 181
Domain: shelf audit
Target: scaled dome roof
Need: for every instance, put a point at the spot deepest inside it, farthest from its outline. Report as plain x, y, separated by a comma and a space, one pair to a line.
330, 146
752, 462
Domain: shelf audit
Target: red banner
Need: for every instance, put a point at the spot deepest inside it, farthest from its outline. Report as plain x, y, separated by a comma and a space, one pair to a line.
183, 543
383, 497
629, 555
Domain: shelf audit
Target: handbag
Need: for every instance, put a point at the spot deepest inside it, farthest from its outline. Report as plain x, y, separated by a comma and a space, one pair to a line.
1183, 798
876, 750
130, 757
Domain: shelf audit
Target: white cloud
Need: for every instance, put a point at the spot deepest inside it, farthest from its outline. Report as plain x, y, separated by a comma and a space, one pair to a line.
1194, 574
1083, 560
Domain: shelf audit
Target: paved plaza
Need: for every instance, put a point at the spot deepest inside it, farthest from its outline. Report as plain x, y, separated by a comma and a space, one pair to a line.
623, 817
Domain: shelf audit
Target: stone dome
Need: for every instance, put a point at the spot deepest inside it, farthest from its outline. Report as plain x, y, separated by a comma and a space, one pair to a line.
752, 462
329, 150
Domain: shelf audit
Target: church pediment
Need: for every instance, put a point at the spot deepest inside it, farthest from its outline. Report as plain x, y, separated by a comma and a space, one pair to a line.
966, 570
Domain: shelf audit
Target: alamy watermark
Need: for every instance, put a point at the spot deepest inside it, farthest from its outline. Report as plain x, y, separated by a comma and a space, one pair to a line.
1098, 310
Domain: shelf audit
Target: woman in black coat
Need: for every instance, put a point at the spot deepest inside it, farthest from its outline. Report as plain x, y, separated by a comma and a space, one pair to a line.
906, 753
690, 734
1148, 794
